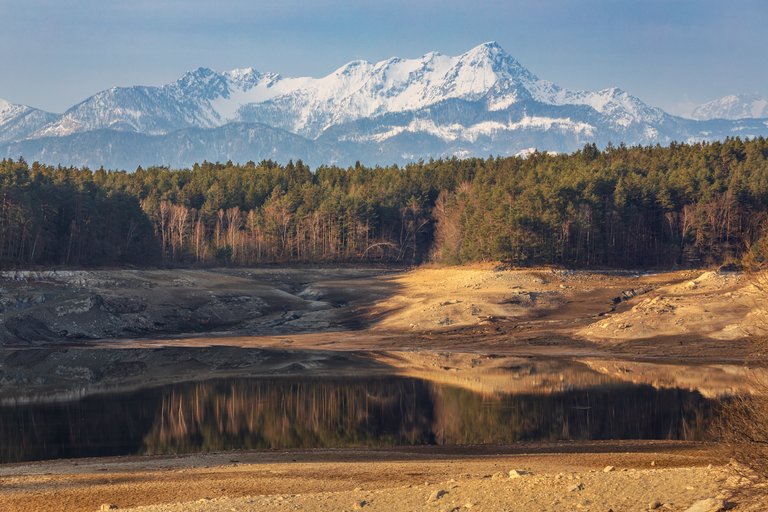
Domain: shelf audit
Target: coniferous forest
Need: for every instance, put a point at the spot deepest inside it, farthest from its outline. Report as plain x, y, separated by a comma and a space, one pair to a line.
682, 205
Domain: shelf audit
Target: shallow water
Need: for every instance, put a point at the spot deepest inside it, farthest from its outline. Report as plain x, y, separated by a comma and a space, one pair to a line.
270, 413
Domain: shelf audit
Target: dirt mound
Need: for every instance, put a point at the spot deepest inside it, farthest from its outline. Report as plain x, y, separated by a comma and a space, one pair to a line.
716, 305
433, 299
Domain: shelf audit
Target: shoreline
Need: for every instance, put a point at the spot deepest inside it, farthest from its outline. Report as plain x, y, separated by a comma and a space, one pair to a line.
399, 478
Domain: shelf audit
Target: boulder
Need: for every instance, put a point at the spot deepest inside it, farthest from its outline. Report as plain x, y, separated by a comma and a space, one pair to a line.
436, 495
708, 505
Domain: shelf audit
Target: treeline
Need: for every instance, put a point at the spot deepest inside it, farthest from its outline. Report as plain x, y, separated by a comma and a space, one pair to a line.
65, 216
684, 204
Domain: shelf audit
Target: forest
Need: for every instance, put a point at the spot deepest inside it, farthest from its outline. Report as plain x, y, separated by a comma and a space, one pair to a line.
652, 207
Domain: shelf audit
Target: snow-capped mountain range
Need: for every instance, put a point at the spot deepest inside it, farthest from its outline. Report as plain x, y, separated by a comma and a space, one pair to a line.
736, 106
19, 121
394, 111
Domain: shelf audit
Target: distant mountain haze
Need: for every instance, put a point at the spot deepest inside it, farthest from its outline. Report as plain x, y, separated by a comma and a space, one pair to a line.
737, 106
394, 111
19, 121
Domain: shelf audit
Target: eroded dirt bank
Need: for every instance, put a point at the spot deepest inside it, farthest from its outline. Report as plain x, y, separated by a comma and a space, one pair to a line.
55, 306
81, 332
476, 302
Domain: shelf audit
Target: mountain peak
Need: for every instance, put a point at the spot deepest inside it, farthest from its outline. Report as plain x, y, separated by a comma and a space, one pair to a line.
733, 106
203, 82
19, 121
198, 73
244, 78
353, 67
494, 57
242, 72
489, 46
491, 49
196, 77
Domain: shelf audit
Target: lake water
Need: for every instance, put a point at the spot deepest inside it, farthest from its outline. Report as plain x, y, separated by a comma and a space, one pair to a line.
264, 413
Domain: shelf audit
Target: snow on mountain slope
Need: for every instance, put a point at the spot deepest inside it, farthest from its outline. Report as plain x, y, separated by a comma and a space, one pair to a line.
148, 110
359, 89
737, 106
19, 121
342, 145
363, 90
458, 132
478, 103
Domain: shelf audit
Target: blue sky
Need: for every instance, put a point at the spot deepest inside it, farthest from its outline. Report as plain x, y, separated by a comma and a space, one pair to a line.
670, 53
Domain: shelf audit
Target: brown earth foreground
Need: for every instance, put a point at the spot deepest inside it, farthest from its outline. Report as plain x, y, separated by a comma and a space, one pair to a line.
554, 478
68, 334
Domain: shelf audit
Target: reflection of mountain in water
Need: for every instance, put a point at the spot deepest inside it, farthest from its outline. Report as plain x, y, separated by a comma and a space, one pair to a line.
314, 413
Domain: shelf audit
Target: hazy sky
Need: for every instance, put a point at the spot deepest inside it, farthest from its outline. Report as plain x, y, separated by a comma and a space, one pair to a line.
670, 53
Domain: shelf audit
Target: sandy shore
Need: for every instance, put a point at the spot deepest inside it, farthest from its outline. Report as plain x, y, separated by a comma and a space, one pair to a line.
558, 477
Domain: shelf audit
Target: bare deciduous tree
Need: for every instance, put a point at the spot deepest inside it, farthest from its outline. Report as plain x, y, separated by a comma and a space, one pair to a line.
179, 226
744, 424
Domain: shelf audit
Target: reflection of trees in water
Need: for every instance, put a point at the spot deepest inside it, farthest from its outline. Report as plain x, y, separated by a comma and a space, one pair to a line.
309, 413
91, 427
321, 413
279, 413
623, 412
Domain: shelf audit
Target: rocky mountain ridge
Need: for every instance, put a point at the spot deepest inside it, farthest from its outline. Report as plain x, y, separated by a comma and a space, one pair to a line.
394, 111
